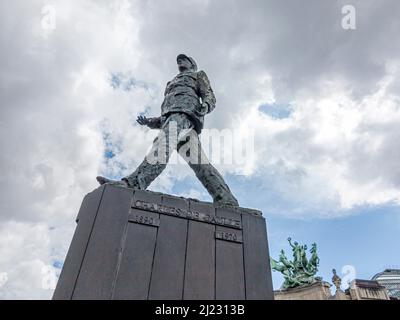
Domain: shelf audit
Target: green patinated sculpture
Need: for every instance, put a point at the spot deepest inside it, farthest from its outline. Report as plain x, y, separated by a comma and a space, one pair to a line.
300, 271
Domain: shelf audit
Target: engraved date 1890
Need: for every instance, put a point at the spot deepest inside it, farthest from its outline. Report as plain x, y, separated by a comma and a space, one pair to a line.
144, 219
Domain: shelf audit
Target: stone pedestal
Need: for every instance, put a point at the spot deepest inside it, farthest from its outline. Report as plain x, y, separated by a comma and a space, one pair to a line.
316, 291
144, 245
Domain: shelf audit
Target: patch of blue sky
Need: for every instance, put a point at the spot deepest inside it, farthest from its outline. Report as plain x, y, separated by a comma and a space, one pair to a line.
112, 147
277, 111
109, 154
58, 264
127, 82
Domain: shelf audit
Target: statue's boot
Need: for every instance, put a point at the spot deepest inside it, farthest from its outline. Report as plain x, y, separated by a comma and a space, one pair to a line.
120, 183
215, 185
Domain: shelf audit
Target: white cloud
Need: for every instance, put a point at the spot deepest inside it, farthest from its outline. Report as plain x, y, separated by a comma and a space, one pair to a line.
332, 150
26, 261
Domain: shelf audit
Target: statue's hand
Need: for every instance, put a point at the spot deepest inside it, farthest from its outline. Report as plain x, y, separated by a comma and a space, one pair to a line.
204, 109
142, 120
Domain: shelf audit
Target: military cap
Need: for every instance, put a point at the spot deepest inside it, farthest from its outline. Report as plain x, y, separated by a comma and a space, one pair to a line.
191, 60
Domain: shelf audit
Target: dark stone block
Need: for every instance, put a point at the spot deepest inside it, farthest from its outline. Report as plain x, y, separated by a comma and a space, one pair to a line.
200, 257
229, 271
133, 244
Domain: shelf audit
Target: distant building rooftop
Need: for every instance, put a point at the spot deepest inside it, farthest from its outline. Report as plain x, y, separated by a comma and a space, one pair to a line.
368, 284
389, 278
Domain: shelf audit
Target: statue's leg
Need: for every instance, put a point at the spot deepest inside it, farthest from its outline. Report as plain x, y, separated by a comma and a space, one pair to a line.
215, 184
153, 165
191, 150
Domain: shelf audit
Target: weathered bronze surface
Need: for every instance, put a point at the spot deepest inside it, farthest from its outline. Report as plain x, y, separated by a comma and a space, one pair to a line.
188, 98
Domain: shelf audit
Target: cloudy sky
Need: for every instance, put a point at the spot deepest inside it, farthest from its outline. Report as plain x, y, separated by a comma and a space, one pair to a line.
322, 102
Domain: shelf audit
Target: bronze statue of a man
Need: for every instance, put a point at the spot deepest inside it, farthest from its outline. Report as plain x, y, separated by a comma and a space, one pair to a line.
188, 98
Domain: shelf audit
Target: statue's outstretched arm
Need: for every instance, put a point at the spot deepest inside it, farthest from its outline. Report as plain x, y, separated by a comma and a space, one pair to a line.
152, 123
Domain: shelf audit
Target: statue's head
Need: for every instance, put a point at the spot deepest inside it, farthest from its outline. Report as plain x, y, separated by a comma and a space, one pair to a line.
186, 63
